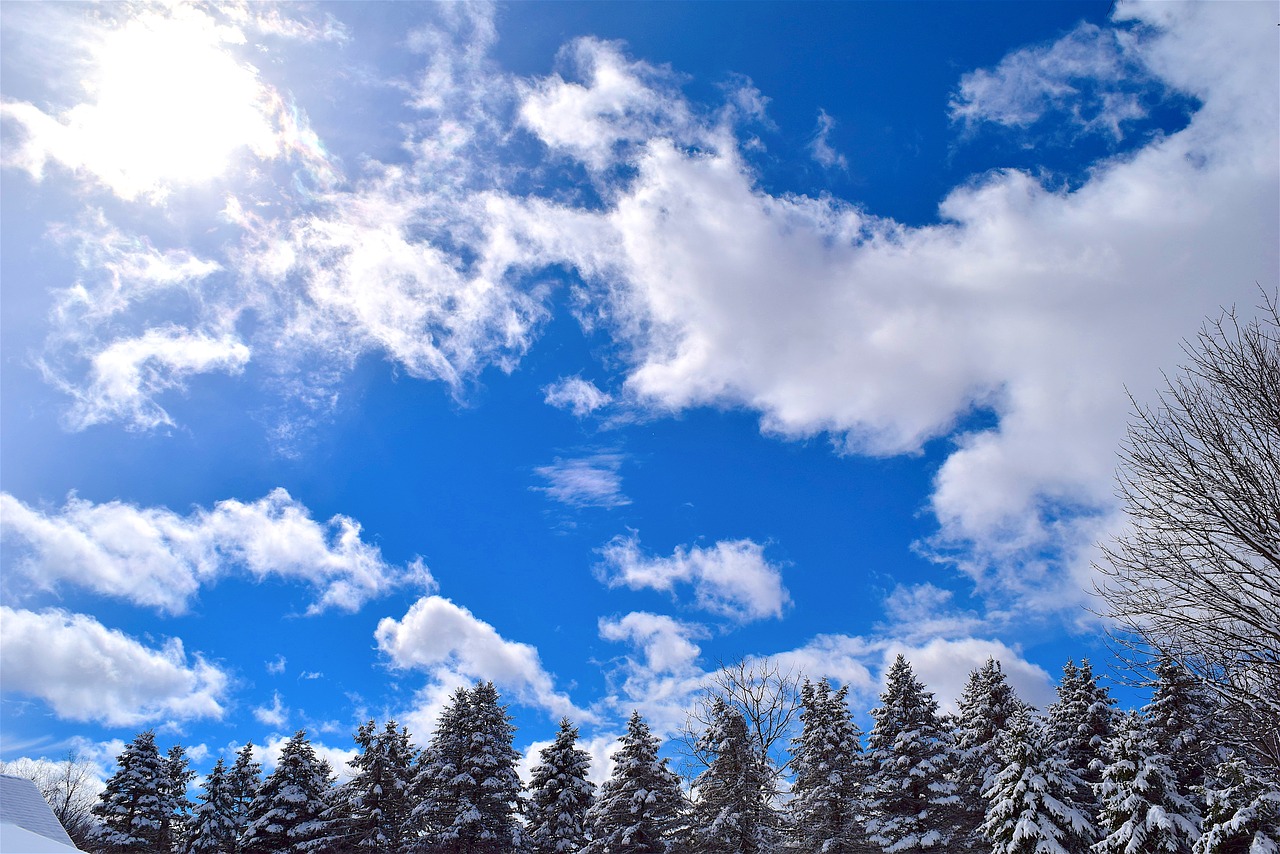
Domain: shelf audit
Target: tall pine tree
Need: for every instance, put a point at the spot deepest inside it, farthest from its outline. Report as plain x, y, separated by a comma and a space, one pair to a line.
911, 801
639, 808
132, 807
213, 823
244, 780
175, 803
829, 773
986, 706
560, 796
287, 815
1181, 720
732, 812
377, 798
1080, 724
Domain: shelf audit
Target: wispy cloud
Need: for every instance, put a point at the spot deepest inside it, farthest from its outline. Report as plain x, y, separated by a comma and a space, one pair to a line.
590, 481
275, 716
820, 146
579, 396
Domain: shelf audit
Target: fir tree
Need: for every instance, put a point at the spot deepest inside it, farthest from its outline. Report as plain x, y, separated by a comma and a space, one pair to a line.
638, 811
132, 806
732, 813
1081, 722
175, 803
287, 813
377, 798
986, 706
213, 823
243, 780
1181, 720
560, 796
911, 802
829, 773
1242, 813
1032, 807
1141, 808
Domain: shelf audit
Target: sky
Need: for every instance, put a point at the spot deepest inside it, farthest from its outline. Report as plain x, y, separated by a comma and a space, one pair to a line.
355, 352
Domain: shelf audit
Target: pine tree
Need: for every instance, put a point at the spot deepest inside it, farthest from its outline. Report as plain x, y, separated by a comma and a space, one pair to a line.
1242, 814
175, 803
986, 706
1141, 808
468, 778
1081, 722
732, 813
1181, 720
911, 802
1032, 807
829, 773
287, 813
132, 806
639, 808
560, 796
213, 823
244, 779
377, 799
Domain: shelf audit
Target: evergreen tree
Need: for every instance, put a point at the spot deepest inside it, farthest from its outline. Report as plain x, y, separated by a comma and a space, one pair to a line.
213, 824
1141, 808
288, 812
468, 778
911, 802
377, 798
1242, 814
560, 796
176, 806
986, 706
1032, 807
1080, 724
829, 773
639, 808
1181, 720
732, 813
132, 806
244, 779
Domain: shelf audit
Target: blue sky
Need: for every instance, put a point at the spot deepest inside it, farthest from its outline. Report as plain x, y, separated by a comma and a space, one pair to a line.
354, 352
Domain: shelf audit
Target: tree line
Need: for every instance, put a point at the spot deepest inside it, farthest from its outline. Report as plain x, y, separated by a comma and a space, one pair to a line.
996, 776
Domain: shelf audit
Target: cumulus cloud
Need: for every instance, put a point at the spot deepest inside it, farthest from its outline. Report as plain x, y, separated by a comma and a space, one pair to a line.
154, 557
944, 665
731, 578
454, 647
665, 675
579, 396
276, 715
591, 481
87, 672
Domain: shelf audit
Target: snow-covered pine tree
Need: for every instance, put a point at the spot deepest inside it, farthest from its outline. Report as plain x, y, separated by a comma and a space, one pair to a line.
244, 780
829, 773
1081, 722
1031, 800
1242, 812
639, 807
213, 823
1141, 809
910, 798
732, 813
377, 799
287, 813
438, 765
1181, 720
176, 805
986, 706
132, 807
560, 796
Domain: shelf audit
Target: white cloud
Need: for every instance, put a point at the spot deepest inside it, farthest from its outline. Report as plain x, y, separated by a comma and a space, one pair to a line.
944, 665
579, 396
591, 481
154, 557
456, 648
277, 665
820, 146
87, 672
660, 683
276, 715
731, 578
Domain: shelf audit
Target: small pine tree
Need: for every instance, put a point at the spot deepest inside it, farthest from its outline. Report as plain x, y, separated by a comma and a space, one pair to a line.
244, 779
288, 812
640, 805
560, 796
213, 823
985, 707
132, 807
1141, 807
1031, 806
732, 813
829, 773
911, 800
1242, 814
176, 805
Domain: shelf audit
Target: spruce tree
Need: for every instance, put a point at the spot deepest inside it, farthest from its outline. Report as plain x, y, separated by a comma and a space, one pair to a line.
560, 796
175, 803
1141, 809
377, 798
213, 823
1031, 800
986, 706
1080, 724
1242, 812
829, 773
1181, 719
911, 800
288, 812
732, 813
639, 807
244, 780
132, 807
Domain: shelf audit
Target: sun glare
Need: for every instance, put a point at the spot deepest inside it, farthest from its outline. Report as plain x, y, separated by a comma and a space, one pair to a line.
170, 105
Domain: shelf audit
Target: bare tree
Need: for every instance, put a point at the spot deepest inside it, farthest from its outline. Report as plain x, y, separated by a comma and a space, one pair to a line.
1196, 575
70, 785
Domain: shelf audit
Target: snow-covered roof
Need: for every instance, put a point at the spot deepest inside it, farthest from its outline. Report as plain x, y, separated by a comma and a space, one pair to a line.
27, 823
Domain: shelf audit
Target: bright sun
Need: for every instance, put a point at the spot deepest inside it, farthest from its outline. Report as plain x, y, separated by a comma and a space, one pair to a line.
169, 105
